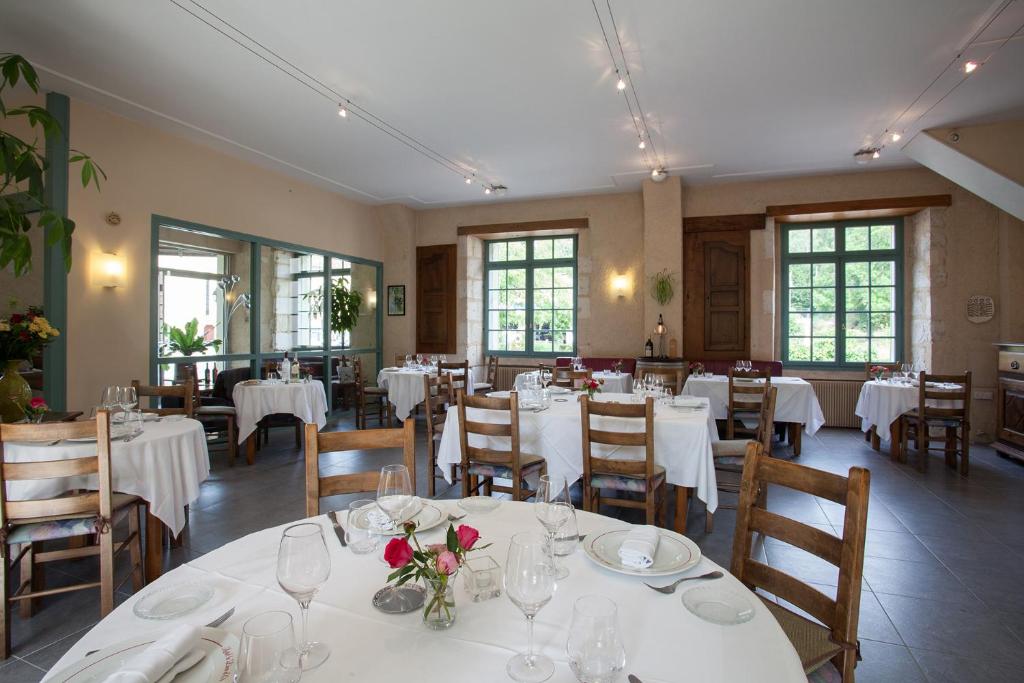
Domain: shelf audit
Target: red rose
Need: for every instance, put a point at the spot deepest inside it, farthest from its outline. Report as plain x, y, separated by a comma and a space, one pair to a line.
16, 318
24, 335
468, 536
398, 553
37, 403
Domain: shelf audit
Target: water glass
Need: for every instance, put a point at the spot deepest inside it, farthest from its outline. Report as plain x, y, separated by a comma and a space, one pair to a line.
360, 541
529, 584
568, 537
481, 576
595, 650
266, 638
303, 565
553, 508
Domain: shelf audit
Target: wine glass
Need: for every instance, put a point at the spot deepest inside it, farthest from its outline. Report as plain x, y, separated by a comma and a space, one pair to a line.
128, 398
303, 565
394, 493
905, 369
553, 509
408, 360
109, 398
529, 584
596, 653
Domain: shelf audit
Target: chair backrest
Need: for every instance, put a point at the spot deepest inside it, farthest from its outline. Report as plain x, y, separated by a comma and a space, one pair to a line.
891, 367
746, 397
569, 378
632, 411
673, 379
224, 385
492, 372
847, 553
184, 392
400, 360
318, 487
460, 381
510, 429
438, 395
766, 420
960, 397
70, 504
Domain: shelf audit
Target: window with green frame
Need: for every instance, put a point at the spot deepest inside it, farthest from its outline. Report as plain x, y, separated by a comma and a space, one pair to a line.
530, 296
842, 292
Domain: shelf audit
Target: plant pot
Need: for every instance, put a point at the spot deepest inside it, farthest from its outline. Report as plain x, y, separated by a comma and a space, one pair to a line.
439, 610
15, 393
184, 372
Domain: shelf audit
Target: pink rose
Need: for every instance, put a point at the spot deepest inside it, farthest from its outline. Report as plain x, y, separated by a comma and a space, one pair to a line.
447, 563
38, 403
468, 536
398, 553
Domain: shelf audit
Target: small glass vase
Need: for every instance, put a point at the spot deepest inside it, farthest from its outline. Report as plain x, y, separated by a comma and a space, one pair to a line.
439, 610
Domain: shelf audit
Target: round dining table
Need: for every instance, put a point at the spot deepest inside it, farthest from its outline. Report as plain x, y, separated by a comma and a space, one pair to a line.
256, 399
664, 642
405, 387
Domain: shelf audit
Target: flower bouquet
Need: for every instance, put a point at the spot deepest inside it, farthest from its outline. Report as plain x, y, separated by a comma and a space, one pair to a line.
697, 368
36, 409
436, 565
22, 338
617, 366
591, 386
877, 371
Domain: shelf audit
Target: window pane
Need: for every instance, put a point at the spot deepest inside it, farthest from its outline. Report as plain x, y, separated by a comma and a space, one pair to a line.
542, 298
496, 341
857, 274
494, 319
563, 277
542, 342
856, 350
799, 299
496, 279
563, 298
517, 251
799, 324
824, 239
824, 299
564, 341
856, 298
882, 272
883, 324
824, 325
882, 237
542, 277
516, 320
823, 350
517, 298
496, 299
882, 298
542, 320
824, 274
799, 348
857, 239
516, 279
542, 249
563, 320
799, 241
800, 275
857, 326
516, 341
882, 350
498, 251
563, 248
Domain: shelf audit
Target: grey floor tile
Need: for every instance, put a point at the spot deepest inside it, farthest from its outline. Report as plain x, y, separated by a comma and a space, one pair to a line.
18, 671
916, 579
946, 667
896, 545
887, 663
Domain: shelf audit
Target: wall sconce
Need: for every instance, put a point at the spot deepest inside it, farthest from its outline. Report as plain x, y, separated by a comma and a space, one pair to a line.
371, 299
108, 270
620, 285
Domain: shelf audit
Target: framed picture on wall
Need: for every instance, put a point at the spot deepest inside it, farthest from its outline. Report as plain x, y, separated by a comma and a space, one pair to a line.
396, 299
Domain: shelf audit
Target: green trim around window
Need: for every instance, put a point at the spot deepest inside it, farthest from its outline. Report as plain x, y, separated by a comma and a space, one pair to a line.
842, 259
55, 275
256, 356
529, 263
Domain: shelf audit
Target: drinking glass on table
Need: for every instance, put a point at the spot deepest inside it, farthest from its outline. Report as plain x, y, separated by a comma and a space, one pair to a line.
595, 650
553, 509
266, 639
128, 398
529, 584
396, 500
303, 565
361, 540
408, 360
906, 369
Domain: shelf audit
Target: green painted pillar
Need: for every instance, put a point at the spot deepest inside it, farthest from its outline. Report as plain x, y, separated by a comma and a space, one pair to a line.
55, 277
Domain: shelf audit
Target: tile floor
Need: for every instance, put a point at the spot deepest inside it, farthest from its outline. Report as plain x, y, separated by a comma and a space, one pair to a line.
942, 601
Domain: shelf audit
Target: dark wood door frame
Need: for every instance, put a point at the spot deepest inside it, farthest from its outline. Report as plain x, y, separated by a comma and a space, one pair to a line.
703, 300
436, 298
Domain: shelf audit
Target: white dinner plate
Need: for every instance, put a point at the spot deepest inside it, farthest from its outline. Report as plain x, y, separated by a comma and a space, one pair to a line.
676, 553
427, 517
173, 601
479, 505
117, 431
217, 666
719, 605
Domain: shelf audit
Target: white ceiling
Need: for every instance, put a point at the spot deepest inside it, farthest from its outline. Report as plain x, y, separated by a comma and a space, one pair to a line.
522, 91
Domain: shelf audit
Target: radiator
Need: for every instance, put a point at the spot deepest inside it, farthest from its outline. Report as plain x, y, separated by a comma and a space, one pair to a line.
507, 375
838, 399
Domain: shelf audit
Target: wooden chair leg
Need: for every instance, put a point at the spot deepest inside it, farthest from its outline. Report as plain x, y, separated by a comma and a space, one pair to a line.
709, 520
965, 449
730, 427
299, 426
5, 606
32, 576
431, 469
135, 549
106, 572
232, 440
682, 505
950, 447
649, 508
922, 451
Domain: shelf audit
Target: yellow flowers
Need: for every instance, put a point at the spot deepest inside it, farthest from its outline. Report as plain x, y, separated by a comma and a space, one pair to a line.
5, 326
43, 328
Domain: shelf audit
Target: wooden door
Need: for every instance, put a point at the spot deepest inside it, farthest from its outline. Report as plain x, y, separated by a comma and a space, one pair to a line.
435, 298
716, 314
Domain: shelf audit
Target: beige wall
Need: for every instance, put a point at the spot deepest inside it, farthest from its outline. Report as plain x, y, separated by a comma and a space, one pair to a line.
996, 145
152, 172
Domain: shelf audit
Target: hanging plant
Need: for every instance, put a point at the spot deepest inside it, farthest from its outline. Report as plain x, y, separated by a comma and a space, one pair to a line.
663, 286
345, 305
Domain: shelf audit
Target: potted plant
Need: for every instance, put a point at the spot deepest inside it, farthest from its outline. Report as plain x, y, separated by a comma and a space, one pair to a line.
345, 304
186, 341
22, 337
663, 286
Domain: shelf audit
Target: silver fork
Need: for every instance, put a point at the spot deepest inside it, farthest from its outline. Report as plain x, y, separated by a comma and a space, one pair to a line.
671, 588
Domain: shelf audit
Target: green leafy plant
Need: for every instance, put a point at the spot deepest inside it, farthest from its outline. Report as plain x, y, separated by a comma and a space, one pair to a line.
22, 169
345, 305
187, 341
663, 286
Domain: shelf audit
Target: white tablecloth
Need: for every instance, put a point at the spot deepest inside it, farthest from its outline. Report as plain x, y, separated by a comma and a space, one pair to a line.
305, 400
405, 388
663, 641
164, 466
882, 402
682, 441
795, 400
614, 382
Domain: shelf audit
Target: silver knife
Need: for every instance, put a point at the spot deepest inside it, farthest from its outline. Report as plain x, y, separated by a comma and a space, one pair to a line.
339, 530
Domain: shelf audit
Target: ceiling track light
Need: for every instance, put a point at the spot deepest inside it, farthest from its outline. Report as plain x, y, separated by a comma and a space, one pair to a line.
469, 181
658, 174
895, 137
642, 145
342, 112
866, 154
970, 66
496, 190
621, 85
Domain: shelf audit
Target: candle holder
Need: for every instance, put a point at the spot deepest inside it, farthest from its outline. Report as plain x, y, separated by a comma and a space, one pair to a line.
481, 576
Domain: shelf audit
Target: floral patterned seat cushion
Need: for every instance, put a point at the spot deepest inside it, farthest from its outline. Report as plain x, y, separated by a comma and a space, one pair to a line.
527, 464
826, 673
67, 527
619, 482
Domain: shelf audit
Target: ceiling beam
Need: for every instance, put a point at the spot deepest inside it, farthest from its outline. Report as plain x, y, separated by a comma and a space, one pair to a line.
741, 221
856, 208
530, 226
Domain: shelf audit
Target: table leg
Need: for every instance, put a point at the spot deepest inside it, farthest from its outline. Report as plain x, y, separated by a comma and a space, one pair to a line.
682, 506
895, 439
250, 449
796, 437
876, 442
155, 532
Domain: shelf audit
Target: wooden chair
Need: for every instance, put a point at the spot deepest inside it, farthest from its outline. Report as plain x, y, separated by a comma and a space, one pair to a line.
400, 360
491, 382
481, 465
673, 379
569, 378
74, 514
439, 395
729, 455
632, 476
368, 397
745, 399
955, 421
185, 393
460, 382
835, 643
317, 442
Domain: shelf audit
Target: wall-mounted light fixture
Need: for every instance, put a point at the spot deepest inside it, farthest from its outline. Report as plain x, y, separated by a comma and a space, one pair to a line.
108, 269
620, 285
371, 299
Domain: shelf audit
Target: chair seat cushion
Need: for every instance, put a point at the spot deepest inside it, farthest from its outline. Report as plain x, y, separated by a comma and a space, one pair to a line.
219, 411
527, 464
934, 421
378, 391
482, 386
51, 528
826, 673
621, 482
812, 641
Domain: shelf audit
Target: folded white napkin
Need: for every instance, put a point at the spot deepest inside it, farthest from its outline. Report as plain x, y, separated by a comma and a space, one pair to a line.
640, 546
376, 519
687, 402
151, 664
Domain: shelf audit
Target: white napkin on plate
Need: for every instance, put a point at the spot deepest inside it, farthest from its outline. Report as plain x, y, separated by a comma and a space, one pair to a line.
379, 521
640, 547
151, 664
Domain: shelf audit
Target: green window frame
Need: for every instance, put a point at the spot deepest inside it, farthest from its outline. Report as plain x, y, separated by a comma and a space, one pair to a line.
530, 293
842, 293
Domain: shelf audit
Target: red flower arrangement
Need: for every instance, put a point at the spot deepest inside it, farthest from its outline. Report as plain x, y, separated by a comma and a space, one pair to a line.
591, 386
878, 370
